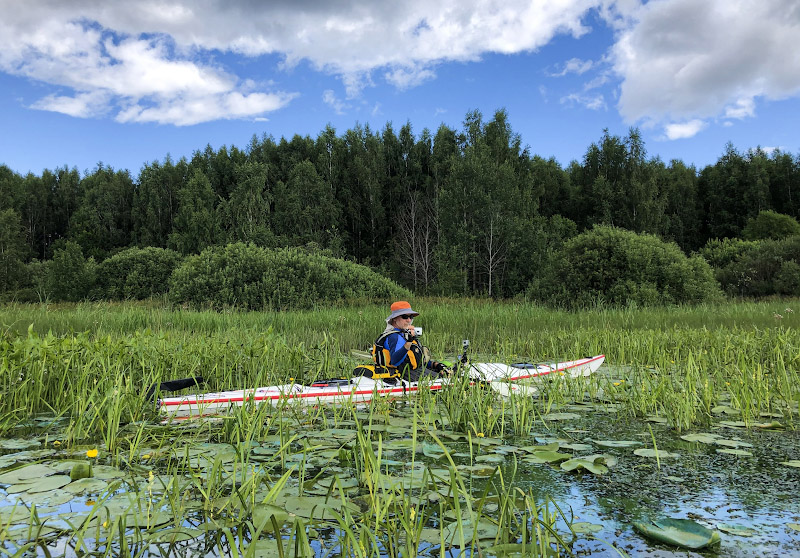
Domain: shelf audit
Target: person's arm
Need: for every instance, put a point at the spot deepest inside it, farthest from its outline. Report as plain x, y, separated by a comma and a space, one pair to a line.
398, 347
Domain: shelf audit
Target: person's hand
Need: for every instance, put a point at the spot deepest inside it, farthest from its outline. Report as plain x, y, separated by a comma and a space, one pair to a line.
438, 367
410, 334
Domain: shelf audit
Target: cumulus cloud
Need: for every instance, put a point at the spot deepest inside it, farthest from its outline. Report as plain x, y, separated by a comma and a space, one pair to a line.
674, 61
682, 60
149, 58
684, 130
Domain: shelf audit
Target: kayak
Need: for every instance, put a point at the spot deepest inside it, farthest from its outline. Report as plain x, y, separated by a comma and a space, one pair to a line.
506, 379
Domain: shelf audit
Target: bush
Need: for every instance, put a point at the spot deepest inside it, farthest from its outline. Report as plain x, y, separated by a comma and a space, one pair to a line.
770, 225
136, 273
247, 276
70, 276
766, 268
620, 267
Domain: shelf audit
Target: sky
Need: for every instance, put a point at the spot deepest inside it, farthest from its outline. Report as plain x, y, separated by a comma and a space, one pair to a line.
84, 82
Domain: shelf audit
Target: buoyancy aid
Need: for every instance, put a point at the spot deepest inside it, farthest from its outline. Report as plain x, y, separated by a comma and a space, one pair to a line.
410, 367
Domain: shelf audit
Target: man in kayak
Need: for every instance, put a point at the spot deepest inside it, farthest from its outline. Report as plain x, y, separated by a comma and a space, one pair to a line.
399, 350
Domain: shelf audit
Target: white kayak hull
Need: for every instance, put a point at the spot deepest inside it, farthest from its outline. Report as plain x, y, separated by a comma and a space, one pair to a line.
504, 378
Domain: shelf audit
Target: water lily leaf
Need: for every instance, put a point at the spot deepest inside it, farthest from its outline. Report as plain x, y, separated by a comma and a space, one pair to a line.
795, 526
577, 447
651, 452
560, 416
19, 444
592, 463
655, 419
263, 512
732, 451
725, 410
674, 479
433, 451
617, 443
173, 535
738, 530
774, 425
585, 527
490, 459
733, 443
49, 483
551, 456
316, 507
684, 533
84, 486
485, 529
703, 438
791, 463
510, 550
553, 446
26, 473
733, 423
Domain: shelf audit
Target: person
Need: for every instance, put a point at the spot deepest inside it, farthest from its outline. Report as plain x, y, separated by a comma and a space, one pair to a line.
398, 348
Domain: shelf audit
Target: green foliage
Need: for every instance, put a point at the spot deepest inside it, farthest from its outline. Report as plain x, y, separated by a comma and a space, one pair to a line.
12, 250
772, 225
70, 276
764, 268
136, 273
619, 267
250, 277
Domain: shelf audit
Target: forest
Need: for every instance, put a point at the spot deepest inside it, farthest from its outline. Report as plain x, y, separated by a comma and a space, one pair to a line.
455, 212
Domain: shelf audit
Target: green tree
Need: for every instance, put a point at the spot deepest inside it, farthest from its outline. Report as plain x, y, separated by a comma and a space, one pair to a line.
12, 250
770, 224
70, 276
195, 225
305, 208
246, 215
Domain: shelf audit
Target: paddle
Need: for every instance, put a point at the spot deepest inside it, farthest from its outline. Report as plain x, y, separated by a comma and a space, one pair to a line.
174, 385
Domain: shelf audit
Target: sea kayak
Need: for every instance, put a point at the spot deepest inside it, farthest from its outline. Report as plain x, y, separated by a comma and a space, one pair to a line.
506, 379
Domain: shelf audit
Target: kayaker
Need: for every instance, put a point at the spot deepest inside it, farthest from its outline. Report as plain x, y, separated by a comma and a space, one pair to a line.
398, 347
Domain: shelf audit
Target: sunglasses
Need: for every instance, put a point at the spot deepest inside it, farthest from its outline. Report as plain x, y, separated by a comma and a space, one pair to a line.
407, 316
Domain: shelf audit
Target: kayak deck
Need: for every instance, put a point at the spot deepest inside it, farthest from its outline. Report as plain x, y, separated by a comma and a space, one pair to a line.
499, 376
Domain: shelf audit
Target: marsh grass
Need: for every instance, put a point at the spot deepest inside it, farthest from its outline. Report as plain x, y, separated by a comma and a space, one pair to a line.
89, 366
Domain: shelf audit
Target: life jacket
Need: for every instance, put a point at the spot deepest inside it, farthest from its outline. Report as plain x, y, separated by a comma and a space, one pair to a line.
412, 365
377, 373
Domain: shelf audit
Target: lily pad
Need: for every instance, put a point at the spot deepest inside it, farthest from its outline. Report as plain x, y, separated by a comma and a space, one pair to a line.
702, 438
791, 463
795, 526
560, 416
684, 533
174, 535
733, 451
596, 464
617, 443
738, 530
586, 527
733, 443
651, 452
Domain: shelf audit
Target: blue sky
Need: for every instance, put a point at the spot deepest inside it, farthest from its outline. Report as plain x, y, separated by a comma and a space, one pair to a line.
89, 81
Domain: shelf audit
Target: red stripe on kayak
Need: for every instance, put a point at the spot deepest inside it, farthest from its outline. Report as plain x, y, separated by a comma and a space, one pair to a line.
577, 363
257, 398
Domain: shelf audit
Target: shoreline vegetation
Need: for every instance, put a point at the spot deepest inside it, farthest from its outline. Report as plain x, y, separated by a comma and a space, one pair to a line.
460, 469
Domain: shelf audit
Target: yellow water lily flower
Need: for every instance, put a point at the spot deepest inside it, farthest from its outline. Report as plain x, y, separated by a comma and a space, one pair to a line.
479, 434
56, 443
146, 456
413, 513
91, 453
90, 502
616, 383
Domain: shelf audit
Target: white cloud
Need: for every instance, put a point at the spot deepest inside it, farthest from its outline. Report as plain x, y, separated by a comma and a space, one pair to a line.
330, 99
592, 102
159, 60
683, 59
684, 130
574, 66
149, 57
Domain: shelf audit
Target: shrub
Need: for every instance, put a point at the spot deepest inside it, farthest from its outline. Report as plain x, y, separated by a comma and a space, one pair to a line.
136, 273
250, 277
70, 276
620, 267
770, 225
766, 268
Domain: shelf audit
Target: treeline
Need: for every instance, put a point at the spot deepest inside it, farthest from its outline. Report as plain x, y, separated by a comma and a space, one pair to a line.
456, 212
